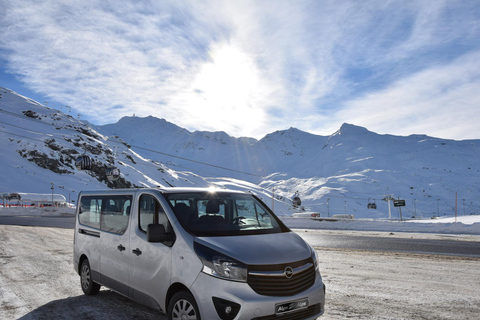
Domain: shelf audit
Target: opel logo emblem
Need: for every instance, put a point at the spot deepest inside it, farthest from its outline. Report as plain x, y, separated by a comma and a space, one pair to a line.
288, 272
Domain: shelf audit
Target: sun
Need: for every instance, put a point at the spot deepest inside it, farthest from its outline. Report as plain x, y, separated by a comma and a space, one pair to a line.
227, 85
230, 74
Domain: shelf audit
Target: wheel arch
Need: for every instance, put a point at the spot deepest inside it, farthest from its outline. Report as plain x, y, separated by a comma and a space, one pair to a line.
80, 261
174, 288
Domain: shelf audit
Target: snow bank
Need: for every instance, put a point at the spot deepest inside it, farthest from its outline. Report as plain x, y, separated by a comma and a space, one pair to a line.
464, 225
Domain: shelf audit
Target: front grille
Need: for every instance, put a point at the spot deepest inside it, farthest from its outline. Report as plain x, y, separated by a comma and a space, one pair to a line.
296, 315
272, 281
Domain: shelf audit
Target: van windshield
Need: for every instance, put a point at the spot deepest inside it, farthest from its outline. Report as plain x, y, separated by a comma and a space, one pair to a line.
219, 213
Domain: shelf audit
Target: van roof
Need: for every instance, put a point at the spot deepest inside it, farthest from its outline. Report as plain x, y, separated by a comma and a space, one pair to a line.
163, 190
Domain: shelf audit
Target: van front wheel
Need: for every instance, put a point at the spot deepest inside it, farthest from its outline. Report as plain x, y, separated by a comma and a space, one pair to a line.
89, 287
183, 306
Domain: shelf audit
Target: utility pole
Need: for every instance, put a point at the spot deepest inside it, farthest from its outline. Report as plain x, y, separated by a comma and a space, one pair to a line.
438, 209
328, 207
401, 218
273, 192
456, 206
53, 205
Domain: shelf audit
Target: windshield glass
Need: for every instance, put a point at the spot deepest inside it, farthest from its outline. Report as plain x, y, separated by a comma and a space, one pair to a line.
223, 214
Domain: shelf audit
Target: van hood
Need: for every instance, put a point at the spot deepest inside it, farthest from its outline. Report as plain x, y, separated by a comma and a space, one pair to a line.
275, 248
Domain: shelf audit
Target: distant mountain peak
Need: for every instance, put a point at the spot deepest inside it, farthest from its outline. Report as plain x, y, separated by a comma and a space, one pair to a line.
348, 128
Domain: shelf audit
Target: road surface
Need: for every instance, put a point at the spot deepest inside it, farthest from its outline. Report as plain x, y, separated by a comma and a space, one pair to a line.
317, 238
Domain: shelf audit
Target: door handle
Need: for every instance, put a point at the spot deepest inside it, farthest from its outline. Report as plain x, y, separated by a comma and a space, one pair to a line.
137, 252
121, 248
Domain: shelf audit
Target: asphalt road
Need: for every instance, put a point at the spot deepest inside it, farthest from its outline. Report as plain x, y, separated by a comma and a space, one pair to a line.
315, 238
66, 222
420, 246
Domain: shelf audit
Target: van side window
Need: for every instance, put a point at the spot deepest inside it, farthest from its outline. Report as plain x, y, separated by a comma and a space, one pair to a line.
90, 211
108, 213
116, 213
150, 211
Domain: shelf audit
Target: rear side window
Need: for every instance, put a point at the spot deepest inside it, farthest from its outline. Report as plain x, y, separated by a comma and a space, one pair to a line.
90, 211
105, 212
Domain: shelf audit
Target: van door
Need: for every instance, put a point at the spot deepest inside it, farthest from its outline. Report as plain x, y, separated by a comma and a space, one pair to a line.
116, 262
152, 261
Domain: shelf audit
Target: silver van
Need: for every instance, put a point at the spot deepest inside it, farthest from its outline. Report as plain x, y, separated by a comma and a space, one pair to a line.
196, 254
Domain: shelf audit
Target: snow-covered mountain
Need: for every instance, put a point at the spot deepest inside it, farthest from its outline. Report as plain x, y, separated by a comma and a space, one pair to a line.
334, 174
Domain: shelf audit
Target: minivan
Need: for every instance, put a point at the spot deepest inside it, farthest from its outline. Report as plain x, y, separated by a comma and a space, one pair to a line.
196, 254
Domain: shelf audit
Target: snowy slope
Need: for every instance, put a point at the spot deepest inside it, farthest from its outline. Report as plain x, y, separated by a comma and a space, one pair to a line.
40, 149
334, 174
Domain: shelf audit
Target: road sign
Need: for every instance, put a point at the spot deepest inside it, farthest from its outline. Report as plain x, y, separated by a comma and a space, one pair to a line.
399, 203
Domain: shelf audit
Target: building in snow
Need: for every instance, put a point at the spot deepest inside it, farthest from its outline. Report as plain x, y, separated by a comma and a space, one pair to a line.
33, 199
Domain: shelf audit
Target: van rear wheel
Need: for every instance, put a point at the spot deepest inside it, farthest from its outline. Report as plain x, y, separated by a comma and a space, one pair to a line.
89, 287
183, 306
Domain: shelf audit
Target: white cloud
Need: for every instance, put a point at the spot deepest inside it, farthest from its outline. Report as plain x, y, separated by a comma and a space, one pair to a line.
244, 67
441, 101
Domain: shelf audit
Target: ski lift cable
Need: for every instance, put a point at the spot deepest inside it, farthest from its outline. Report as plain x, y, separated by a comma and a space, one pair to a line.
154, 166
144, 164
139, 163
29, 130
21, 136
146, 149
195, 161
142, 148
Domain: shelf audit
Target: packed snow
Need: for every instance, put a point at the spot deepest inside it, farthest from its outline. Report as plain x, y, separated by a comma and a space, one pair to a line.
469, 225
39, 282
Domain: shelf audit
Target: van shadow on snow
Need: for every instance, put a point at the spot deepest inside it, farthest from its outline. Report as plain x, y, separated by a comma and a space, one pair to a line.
105, 305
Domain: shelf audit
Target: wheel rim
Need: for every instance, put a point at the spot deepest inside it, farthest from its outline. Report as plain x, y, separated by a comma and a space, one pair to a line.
184, 310
85, 276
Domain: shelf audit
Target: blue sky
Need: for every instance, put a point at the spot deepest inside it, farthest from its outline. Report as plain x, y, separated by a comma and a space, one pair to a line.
252, 67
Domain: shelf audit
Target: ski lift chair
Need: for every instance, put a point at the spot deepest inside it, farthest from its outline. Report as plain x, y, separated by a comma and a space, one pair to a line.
83, 163
296, 201
372, 205
113, 174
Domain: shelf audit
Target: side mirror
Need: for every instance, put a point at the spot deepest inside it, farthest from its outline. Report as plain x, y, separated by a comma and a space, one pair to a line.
157, 233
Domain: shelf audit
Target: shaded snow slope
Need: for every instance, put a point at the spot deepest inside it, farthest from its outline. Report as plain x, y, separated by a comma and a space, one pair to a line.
39, 147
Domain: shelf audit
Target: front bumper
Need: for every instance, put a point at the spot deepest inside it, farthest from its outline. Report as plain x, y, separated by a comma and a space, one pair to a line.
253, 305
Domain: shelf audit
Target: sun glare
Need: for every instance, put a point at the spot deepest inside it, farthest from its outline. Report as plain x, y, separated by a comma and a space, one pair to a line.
228, 86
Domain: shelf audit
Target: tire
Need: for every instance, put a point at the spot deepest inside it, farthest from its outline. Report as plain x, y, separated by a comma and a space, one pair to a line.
183, 306
89, 287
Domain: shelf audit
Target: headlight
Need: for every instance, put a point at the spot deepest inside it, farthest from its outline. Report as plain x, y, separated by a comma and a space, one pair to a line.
315, 261
219, 265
